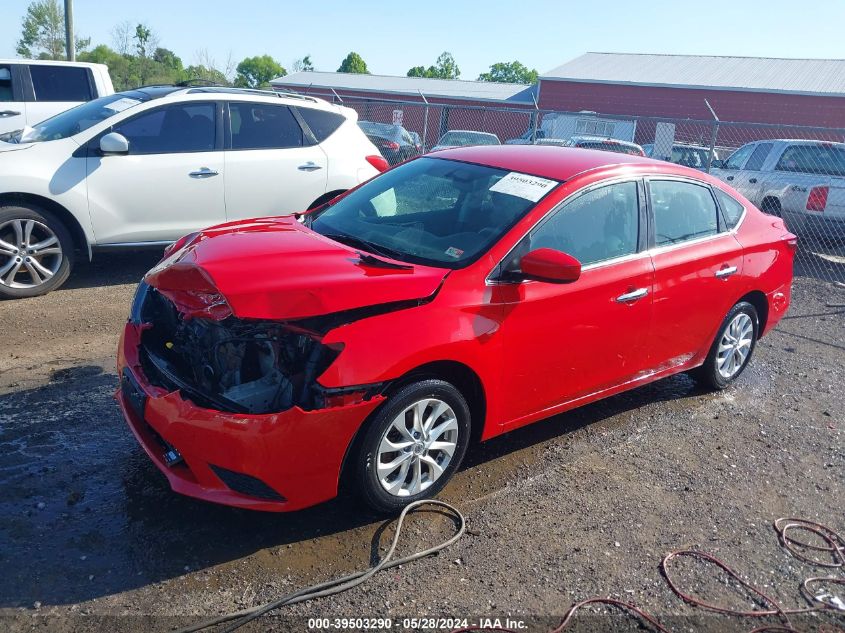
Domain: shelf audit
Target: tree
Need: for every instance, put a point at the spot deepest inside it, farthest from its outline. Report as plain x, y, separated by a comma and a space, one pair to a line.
256, 72
203, 73
167, 59
444, 68
121, 68
43, 32
122, 36
302, 64
142, 37
510, 72
353, 63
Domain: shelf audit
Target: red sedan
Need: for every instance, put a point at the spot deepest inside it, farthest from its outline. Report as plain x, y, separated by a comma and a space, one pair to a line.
451, 299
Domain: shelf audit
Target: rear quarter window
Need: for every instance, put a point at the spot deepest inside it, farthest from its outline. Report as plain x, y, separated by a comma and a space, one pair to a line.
60, 83
813, 159
732, 209
323, 124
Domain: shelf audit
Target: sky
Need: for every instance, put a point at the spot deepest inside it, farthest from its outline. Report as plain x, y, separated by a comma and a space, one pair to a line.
394, 36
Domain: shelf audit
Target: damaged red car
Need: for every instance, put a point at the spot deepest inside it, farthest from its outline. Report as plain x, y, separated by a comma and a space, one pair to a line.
449, 300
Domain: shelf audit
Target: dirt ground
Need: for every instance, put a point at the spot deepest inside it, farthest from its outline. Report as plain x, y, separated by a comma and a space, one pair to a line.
584, 504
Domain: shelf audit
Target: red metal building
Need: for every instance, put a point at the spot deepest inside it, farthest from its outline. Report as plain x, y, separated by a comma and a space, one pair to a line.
743, 89
452, 104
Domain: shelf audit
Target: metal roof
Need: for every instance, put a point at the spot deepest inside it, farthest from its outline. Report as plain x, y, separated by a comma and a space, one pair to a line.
752, 74
444, 88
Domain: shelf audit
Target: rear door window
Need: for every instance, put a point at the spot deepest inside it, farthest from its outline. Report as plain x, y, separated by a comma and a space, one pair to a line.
264, 126
758, 157
828, 159
323, 124
682, 211
61, 83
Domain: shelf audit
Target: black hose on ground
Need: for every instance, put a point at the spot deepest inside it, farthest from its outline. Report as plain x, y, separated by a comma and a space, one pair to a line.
338, 585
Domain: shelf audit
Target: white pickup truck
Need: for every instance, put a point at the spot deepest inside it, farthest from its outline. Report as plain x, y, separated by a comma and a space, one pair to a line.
799, 180
34, 90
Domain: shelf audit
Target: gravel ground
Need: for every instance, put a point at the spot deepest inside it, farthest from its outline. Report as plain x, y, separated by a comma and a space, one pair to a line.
583, 504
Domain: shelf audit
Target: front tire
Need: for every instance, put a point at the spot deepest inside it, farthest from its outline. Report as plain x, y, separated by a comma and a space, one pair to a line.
731, 351
36, 252
413, 445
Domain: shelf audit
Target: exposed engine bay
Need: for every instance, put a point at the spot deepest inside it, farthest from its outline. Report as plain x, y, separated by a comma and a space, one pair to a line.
247, 366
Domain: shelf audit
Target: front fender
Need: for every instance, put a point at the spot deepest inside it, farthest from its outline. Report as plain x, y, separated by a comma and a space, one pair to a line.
386, 347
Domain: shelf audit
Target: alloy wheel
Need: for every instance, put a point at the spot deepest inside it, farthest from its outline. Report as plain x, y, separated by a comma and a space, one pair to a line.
417, 447
735, 345
30, 253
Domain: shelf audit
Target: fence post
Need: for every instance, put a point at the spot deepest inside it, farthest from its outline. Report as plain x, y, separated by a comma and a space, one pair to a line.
535, 119
425, 121
714, 133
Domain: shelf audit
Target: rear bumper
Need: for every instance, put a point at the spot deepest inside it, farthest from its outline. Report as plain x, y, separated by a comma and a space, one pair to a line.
276, 462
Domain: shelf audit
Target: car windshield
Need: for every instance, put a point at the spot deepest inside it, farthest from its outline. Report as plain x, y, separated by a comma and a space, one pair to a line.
459, 139
81, 117
432, 211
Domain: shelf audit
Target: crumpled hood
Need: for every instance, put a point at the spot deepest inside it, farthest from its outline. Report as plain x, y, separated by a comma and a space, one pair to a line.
276, 268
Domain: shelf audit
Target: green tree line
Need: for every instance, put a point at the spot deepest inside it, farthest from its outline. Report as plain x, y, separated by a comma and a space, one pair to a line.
136, 57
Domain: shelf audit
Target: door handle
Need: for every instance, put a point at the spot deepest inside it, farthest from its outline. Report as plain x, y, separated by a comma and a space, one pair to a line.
729, 178
203, 172
634, 295
752, 180
6, 113
309, 166
727, 271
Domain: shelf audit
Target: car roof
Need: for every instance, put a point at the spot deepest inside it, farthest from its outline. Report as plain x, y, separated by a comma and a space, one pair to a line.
50, 62
551, 161
226, 93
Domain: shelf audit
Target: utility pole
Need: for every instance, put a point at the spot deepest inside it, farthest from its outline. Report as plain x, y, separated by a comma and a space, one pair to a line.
70, 41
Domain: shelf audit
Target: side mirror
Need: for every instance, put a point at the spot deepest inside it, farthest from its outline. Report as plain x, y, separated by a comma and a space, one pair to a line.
717, 164
114, 143
549, 265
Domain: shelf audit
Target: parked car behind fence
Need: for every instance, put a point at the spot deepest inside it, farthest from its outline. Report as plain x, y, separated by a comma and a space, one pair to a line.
465, 138
802, 181
596, 142
394, 142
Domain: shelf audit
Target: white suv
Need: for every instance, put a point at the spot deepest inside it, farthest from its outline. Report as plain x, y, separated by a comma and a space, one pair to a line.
146, 166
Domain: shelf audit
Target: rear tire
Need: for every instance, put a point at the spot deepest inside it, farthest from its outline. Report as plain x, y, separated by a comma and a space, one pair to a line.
36, 252
412, 446
731, 350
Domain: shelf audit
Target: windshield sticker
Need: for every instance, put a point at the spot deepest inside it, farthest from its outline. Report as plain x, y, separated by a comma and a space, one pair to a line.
524, 186
454, 252
121, 104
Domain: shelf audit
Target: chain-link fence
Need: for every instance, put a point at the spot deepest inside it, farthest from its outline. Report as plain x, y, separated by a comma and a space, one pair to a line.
795, 172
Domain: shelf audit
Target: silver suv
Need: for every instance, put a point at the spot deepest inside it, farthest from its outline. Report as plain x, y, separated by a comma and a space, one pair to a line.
802, 181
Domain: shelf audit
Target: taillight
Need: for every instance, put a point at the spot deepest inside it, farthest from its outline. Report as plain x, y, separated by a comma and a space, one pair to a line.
817, 200
390, 145
378, 162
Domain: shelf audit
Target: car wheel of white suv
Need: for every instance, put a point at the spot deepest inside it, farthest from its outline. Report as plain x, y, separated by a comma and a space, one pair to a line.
36, 252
